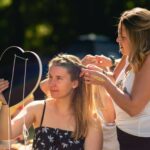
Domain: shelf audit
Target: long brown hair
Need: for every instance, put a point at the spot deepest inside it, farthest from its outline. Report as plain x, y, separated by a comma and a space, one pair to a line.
82, 103
137, 24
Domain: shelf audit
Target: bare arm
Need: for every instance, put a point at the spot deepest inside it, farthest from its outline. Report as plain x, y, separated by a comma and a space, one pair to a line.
16, 125
140, 94
94, 139
4, 120
27, 116
108, 111
4, 117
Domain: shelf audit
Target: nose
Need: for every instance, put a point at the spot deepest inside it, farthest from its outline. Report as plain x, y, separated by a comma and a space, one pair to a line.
118, 39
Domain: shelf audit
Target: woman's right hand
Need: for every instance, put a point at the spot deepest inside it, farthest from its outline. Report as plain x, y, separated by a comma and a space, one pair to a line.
103, 61
89, 59
98, 60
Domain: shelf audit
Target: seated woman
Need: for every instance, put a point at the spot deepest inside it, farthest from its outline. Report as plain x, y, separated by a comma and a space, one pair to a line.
67, 119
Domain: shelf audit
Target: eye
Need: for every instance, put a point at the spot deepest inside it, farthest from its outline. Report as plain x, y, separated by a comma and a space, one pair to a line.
123, 37
50, 77
59, 78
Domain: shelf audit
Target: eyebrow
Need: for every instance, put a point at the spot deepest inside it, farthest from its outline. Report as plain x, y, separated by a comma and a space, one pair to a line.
60, 76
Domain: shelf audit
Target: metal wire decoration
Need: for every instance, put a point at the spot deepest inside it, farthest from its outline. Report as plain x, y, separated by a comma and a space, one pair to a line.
23, 70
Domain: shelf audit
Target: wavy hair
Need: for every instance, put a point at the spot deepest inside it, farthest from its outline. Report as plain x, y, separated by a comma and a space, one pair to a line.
83, 104
137, 24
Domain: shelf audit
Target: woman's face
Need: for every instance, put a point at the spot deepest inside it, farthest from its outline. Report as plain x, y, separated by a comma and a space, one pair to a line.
123, 40
60, 83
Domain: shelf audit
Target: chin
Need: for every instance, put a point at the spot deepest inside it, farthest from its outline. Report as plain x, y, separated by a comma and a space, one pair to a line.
123, 52
54, 95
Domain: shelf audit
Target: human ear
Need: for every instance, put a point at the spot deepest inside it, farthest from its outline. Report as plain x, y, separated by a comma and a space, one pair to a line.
75, 84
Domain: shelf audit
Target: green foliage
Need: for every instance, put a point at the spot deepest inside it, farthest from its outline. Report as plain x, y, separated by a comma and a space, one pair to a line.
5, 3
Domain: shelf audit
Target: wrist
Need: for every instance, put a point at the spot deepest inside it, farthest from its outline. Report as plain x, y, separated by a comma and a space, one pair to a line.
112, 61
105, 72
2, 103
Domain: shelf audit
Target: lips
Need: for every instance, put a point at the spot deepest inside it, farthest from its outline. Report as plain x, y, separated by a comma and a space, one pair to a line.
53, 91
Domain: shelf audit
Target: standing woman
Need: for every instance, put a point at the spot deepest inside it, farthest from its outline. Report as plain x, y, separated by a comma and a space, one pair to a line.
131, 89
68, 119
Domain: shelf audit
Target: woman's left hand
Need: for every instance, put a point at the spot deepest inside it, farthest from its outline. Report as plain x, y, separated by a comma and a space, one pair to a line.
3, 85
93, 76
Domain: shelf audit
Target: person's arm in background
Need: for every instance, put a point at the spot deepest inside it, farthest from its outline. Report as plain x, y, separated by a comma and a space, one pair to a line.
45, 87
94, 138
4, 109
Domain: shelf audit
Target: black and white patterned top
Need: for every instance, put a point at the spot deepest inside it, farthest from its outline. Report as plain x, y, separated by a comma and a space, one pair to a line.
55, 139
47, 138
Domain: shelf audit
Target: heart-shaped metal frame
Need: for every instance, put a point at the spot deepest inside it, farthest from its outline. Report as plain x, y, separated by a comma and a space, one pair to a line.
16, 56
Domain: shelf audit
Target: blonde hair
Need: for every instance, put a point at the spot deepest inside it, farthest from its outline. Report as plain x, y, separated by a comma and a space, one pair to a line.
82, 103
137, 24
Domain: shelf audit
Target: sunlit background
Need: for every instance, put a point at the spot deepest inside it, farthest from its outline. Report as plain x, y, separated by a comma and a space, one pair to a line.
51, 26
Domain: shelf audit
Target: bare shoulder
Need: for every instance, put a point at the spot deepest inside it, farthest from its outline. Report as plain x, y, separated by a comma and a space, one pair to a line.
39, 104
94, 138
145, 65
36, 103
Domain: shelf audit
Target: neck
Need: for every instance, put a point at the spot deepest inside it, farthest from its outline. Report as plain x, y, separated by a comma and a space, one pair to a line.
63, 105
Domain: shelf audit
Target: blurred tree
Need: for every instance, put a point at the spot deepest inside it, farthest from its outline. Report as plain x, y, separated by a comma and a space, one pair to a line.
48, 25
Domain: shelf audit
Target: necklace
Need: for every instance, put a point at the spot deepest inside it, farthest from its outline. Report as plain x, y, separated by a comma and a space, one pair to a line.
122, 77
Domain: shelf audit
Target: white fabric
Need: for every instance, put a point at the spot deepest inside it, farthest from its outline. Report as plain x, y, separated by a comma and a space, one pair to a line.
110, 141
136, 125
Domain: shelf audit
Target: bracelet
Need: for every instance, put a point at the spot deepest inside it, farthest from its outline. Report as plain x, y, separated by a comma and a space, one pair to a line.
5, 143
112, 60
110, 124
1, 103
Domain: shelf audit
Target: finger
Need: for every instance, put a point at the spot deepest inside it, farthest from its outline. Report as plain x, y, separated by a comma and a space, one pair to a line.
83, 72
94, 67
99, 57
3, 85
87, 81
3, 82
87, 78
98, 78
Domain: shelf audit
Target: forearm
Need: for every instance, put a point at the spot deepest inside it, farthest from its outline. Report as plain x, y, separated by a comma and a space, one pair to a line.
107, 111
122, 99
110, 75
4, 123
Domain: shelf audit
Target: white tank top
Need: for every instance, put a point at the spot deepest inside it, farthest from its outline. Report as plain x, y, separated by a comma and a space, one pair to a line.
138, 125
